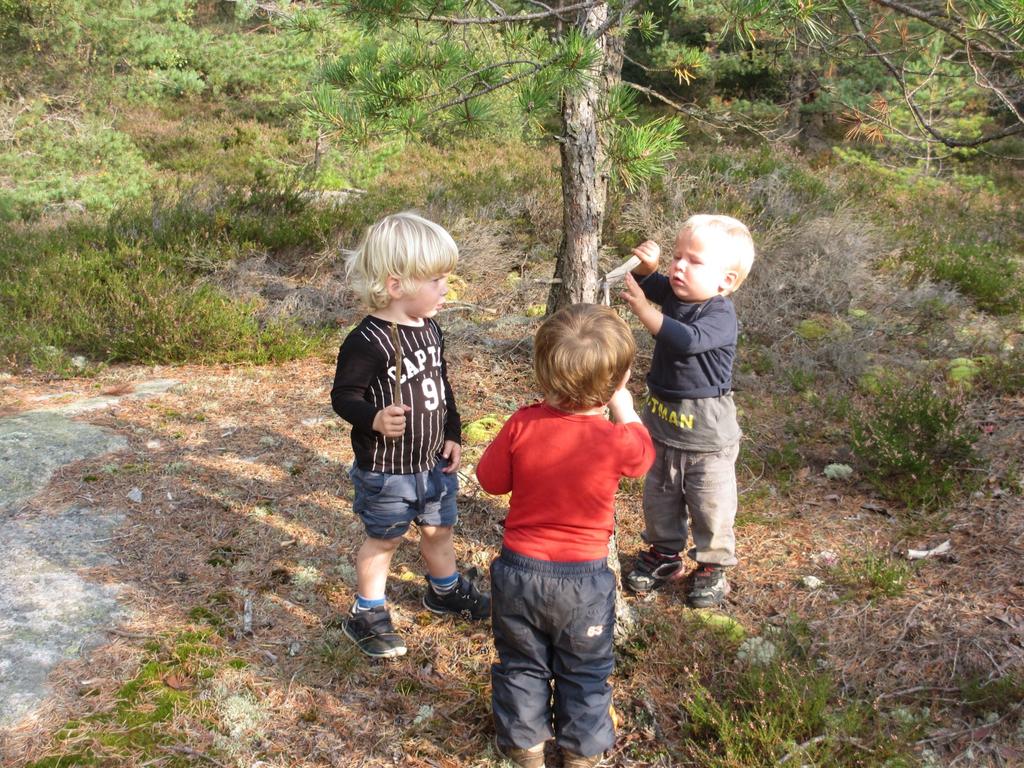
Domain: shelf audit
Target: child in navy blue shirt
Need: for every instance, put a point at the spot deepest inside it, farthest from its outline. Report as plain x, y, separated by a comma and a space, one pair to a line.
689, 410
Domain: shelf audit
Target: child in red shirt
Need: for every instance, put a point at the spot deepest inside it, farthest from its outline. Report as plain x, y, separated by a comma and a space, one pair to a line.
552, 591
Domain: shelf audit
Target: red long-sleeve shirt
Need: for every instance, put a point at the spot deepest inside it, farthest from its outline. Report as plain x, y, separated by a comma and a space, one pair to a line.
563, 471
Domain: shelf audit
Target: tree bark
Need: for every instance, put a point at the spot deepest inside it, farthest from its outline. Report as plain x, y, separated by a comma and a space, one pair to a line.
793, 118
584, 181
584, 197
625, 614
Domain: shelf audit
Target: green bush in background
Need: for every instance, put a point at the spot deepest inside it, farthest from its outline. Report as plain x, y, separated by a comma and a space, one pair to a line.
917, 446
984, 272
75, 295
67, 164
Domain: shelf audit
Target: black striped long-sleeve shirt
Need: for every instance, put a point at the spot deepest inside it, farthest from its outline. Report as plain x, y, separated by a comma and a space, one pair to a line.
363, 385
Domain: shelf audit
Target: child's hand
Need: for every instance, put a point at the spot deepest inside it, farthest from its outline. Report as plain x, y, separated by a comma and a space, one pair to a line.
621, 404
390, 421
638, 305
649, 252
621, 407
453, 452
622, 401
633, 295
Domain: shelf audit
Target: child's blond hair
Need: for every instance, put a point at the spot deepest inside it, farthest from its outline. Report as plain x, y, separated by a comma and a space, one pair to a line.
741, 255
581, 355
403, 245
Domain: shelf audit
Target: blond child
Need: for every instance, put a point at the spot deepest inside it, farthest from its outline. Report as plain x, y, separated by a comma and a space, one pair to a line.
689, 409
554, 595
391, 385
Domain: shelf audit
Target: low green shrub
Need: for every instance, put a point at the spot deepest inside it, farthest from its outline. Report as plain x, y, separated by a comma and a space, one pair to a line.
71, 163
1003, 694
769, 708
12, 15
873, 576
984, 272
71, 295
271, 216
915, 445
801, 379
1003, 375
777, 464
776, 703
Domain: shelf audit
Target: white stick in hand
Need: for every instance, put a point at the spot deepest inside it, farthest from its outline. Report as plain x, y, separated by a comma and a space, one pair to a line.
617, 274
620, 271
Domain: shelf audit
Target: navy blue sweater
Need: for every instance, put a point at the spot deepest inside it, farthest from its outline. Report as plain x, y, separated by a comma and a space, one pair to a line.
694, 350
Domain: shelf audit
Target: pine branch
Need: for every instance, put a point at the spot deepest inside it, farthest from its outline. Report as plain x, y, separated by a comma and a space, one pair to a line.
662, 98
497, 65
701, 116
944, 23
612, 21
537, 67
983, 81
505, 19
908, 95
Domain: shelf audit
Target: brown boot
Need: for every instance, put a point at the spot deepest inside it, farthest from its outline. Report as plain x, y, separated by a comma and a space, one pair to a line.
572, 760
531, 757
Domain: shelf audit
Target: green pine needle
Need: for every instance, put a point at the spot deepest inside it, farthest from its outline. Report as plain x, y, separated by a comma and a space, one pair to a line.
639, 153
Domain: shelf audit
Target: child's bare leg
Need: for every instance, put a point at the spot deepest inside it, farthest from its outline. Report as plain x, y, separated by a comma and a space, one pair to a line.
438, 550
373, 562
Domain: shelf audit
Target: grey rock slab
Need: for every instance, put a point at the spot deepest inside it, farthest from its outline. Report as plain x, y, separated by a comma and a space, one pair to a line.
48, 612
142, 389
35, 444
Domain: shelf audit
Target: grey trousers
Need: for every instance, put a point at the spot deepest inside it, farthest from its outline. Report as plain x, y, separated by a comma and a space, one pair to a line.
690, 492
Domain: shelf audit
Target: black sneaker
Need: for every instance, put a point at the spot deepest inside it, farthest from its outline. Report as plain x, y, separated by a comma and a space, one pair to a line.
652, 569
373, 632
465, 600
708, 587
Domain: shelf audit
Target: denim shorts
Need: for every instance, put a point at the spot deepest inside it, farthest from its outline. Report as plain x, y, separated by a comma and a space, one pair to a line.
387, 504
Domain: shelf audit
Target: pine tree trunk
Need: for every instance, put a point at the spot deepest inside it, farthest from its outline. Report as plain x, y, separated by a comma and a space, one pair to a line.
584, 197
584, 185
793, 118
625, 614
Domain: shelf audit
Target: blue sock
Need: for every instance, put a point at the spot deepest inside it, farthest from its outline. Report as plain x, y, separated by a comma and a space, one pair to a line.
362, 604
444, 585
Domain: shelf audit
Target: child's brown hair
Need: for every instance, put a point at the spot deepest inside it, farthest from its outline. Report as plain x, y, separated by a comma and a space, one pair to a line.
581, 354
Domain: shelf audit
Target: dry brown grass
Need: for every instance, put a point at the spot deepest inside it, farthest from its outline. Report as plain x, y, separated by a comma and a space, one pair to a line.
246, 498
242, 499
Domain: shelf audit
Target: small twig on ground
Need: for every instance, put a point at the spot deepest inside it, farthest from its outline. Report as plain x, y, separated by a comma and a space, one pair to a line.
183, 750
247, 616
915, 689
998, 667
465, 306
129, 635
801, 748
906, 625
974, 731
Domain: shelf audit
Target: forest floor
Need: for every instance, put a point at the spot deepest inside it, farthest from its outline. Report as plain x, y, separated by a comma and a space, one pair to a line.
236, 556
